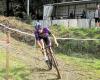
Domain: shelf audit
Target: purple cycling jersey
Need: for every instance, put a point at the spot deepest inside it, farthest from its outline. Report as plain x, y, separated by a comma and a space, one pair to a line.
42, 35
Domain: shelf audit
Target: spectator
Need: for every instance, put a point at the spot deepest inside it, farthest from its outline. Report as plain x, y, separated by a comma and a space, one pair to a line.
33, 16
97, 16
83, 14
71, 16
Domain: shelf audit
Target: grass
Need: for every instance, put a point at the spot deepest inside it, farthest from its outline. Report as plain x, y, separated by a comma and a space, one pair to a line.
15, 23
76, 32
90, 66
17, 69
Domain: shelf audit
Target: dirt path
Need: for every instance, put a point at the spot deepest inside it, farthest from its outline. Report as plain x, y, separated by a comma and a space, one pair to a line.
37, 67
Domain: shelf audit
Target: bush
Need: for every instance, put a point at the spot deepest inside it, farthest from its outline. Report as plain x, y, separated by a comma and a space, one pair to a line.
78, 46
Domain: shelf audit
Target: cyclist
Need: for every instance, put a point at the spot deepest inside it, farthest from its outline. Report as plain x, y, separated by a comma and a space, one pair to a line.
97, 16
42, 38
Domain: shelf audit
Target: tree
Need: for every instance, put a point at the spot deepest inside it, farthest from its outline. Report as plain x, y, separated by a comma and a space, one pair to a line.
7, 7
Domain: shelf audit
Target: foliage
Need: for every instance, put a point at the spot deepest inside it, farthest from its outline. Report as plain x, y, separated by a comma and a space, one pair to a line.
78, 46
75, 32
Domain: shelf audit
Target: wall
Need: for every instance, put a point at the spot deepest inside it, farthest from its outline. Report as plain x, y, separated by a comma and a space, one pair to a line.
73, 23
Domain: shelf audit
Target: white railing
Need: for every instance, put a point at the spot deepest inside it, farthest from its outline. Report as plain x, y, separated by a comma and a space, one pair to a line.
32, 35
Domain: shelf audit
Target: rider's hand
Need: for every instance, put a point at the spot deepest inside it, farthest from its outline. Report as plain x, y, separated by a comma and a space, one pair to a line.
57, 44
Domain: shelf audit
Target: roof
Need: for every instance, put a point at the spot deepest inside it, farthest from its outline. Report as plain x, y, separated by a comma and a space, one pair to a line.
72, 2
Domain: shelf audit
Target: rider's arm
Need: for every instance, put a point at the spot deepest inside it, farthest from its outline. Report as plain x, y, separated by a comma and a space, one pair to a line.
37, 39
55, 40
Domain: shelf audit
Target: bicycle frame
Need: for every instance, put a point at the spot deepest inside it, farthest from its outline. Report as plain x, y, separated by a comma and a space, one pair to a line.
50, 54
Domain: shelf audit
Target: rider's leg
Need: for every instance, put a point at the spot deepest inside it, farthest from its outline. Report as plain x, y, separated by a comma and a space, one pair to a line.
39, 44
48, 43
51, 51
42, 46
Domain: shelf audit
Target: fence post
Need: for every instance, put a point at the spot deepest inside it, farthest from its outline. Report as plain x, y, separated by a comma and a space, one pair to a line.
7, 54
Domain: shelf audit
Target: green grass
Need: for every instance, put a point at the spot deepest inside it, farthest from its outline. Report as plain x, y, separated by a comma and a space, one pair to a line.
84, 64
75, 32
17, 69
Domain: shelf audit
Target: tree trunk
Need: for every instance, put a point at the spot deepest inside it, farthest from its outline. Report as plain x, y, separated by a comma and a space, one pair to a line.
7, 7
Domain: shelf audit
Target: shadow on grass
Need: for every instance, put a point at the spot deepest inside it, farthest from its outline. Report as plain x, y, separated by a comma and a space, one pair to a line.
36, 69
23, 73
53, 79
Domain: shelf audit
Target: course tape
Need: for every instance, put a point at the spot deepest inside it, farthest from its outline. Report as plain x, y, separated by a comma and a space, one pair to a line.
19, 31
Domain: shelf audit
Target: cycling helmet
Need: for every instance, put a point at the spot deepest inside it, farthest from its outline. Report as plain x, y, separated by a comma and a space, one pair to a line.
38, 26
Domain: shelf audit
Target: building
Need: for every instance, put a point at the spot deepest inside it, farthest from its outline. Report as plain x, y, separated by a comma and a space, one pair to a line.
61, 8
70, 14
64, 9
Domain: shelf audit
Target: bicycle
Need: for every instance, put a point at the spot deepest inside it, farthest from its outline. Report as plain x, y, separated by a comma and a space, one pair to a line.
51, 62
